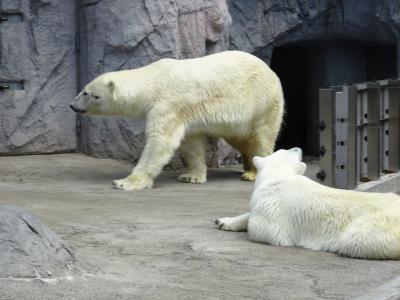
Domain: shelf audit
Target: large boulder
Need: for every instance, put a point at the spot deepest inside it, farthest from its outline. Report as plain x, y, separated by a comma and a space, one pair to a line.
28, 247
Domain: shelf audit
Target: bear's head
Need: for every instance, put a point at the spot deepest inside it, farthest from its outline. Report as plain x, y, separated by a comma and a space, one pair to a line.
280, 164
97, 98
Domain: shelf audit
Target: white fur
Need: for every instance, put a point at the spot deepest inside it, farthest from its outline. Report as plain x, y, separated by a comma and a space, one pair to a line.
289, 209
231, 94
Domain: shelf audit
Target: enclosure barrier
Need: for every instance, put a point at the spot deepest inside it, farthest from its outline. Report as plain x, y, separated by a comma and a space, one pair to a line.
359, 132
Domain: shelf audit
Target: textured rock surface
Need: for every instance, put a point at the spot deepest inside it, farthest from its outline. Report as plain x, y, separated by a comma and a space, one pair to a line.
259, 26
28, 247
37, 47
125, 34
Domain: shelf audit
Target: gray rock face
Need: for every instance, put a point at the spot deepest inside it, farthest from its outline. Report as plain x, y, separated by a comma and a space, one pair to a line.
260, 26
28, 247
37, 47
37, 58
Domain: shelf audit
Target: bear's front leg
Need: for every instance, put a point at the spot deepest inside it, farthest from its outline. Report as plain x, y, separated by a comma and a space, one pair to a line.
238, 223
163, 136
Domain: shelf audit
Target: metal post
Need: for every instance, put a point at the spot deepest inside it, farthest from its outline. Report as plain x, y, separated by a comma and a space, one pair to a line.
373, 130
384, 120
350, 93
393, 132
368, 137
341, 140
362, 135
327, 136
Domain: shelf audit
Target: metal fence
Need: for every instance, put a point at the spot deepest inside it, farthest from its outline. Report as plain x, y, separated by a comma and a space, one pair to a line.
359, 132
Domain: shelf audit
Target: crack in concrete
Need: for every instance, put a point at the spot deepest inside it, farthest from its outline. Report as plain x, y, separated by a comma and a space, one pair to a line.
30, 227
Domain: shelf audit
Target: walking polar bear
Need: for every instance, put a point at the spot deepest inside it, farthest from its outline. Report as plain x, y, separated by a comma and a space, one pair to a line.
288, 209
232, 95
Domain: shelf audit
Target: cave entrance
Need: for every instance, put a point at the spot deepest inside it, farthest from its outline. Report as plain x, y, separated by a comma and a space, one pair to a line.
305, 68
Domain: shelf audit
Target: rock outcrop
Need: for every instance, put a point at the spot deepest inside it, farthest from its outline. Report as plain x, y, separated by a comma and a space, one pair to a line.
29, 248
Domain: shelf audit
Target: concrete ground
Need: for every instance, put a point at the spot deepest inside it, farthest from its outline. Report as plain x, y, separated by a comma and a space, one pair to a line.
162, 243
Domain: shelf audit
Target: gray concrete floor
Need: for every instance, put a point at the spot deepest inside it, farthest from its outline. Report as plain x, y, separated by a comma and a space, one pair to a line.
162, 244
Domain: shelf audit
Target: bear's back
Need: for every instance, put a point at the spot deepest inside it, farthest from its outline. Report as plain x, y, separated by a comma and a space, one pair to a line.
227, 64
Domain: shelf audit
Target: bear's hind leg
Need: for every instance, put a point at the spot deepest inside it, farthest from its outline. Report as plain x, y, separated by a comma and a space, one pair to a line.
193, 150
248, 148
373, 236
250, 171
260, 143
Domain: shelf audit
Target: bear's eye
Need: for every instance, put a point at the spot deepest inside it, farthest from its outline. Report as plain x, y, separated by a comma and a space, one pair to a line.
84, 94
96, 97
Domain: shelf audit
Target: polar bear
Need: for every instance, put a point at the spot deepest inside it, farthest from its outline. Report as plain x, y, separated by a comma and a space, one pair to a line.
289, 209
232, 95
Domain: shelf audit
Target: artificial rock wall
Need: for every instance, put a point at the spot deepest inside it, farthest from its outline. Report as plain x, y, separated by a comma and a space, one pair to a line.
260, 26
37, 64
42, 49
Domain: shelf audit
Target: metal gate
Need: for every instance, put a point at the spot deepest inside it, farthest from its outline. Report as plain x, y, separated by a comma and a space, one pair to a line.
359, 132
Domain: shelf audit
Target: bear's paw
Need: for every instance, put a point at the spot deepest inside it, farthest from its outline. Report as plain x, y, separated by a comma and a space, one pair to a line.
133, 183
226, 224
248, 176
191, 178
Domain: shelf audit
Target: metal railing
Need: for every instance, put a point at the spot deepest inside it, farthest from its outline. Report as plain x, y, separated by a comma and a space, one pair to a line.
359, 132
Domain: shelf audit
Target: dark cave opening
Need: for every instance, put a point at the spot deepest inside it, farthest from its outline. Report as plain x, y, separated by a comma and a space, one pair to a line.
305, 68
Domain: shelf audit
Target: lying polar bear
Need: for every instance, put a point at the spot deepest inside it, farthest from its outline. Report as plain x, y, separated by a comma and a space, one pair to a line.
232, 94
288, 209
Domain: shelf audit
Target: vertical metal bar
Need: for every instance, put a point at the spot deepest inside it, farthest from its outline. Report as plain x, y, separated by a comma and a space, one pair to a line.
327, 136
394, 127
341, 141
384, 118
362, 135
350, 93
373, 130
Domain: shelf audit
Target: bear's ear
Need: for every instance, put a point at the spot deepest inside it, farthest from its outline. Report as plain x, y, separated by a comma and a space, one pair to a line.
111, 86
300, 168
298, 152
257, 161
